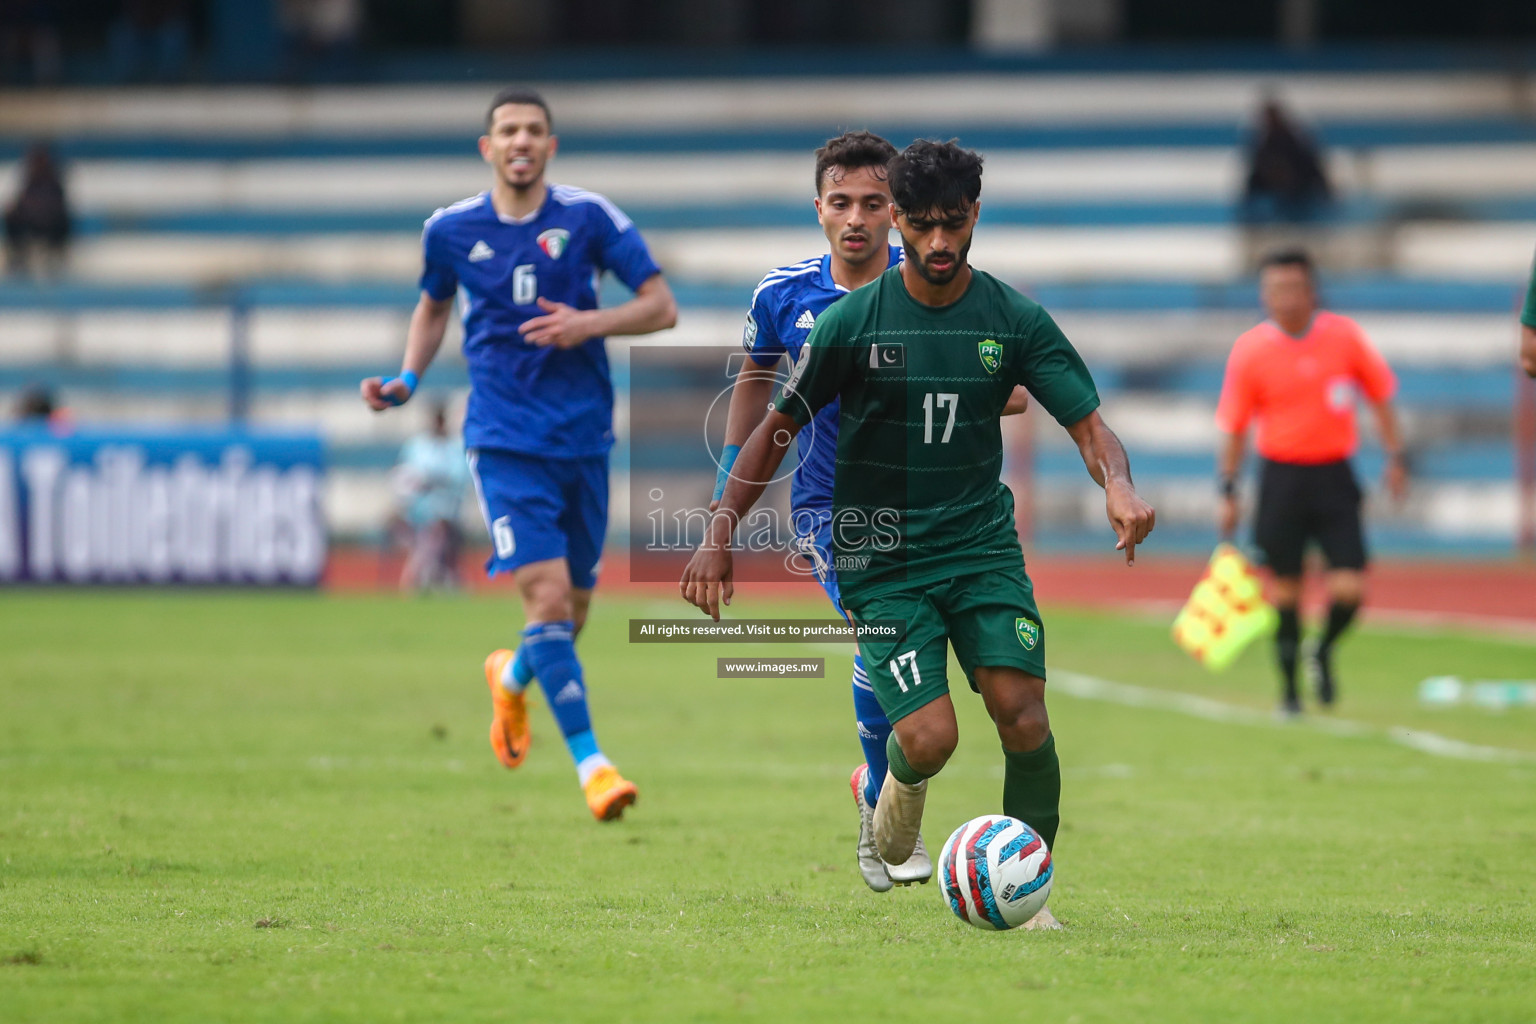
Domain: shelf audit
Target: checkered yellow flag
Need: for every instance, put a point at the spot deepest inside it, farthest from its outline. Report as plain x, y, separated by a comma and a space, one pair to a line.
1225, 613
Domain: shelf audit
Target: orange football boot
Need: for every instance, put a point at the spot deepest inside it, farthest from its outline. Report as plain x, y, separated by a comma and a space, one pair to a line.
608, 793
509, 726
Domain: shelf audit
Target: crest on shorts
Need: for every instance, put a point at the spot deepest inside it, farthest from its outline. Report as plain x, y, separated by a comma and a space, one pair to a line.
553, 242
991, 354
1029, 632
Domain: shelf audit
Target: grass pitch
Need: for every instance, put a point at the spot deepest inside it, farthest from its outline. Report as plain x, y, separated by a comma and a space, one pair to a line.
283, 808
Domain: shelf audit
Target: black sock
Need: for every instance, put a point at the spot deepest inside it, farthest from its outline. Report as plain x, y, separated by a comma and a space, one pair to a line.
1287, 639
1340, 615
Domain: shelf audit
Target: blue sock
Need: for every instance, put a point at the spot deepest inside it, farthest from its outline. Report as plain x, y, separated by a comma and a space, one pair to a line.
874, 729
522, 672
550, 652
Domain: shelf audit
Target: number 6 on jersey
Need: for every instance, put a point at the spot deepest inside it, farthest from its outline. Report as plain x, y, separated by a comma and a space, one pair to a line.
525, 284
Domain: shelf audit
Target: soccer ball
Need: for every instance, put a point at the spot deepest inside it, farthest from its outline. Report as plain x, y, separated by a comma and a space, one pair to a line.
995, 872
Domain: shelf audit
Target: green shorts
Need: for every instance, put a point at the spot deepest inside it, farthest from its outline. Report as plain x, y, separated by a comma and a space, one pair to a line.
990, 617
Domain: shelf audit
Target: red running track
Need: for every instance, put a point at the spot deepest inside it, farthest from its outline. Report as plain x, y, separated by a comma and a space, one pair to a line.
1475, 593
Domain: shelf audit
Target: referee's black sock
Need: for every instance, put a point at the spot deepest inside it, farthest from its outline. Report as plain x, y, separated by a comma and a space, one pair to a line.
1287, 640
1340, 615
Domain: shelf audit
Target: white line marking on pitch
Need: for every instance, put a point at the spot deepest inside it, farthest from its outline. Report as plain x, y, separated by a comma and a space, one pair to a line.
1076, 684
1384, 620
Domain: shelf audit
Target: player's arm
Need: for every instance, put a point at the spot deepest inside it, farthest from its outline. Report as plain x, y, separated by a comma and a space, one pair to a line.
1104, 455
1378, 384
1396, 474
749, 398
1235, 407
429, 321
1017, 402
706, 581
652, 309
817, 378
1229, 463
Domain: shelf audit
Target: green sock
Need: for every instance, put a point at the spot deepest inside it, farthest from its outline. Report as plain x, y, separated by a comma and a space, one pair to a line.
1032, 788
901, 771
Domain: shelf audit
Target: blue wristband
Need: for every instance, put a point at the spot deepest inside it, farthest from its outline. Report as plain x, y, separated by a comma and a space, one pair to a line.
727, 460
409, 378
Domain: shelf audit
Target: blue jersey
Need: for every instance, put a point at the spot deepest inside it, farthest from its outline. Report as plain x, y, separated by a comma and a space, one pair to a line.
525, 398
784, 309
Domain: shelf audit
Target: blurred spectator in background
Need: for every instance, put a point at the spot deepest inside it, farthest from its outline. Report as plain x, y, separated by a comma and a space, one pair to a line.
322, 35
1286, 193
1286, 180
29, 41
151, 39
429, 484
37, 221
37, 408
35, 405
1528, 328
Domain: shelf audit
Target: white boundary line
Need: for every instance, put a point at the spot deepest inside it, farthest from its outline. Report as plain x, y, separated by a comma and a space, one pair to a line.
1395, 620
1085, 687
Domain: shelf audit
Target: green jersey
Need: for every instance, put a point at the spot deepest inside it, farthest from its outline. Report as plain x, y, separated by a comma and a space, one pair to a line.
917, 495
1528, 314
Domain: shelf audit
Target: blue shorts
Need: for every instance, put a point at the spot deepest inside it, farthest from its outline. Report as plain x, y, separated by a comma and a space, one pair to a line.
813, 531
537, 509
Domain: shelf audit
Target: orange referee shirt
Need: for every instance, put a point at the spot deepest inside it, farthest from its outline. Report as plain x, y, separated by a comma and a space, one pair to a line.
1302, 390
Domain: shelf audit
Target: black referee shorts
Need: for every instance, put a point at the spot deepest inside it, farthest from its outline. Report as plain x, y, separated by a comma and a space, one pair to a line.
1301, 503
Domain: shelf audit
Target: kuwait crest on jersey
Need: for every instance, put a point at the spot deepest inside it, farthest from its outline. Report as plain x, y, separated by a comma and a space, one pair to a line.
1029, 632
554, 241
991, 356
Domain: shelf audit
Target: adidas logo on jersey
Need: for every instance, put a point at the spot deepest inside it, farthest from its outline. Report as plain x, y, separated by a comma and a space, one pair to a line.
481, 251
806, 321
569, 692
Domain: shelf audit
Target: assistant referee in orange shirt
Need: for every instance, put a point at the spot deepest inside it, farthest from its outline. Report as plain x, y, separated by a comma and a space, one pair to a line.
1297, 375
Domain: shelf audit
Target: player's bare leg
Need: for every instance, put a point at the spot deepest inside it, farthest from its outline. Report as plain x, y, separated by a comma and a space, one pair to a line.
581, 603
921, 744
545, 588
1032, 775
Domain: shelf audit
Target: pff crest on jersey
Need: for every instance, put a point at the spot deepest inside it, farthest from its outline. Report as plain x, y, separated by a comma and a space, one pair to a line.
1029, 632
991, 355
554, 241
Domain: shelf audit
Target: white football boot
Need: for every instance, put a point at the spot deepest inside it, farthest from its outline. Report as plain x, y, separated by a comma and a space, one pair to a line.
1043, 921
898, 819
915, 870
870, 865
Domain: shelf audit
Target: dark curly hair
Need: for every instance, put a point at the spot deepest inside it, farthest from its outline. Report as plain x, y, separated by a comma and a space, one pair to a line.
930, 176
852, 150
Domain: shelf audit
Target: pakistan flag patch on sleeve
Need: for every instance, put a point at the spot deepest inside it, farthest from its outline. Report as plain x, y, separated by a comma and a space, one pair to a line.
991, 358
1029, 632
